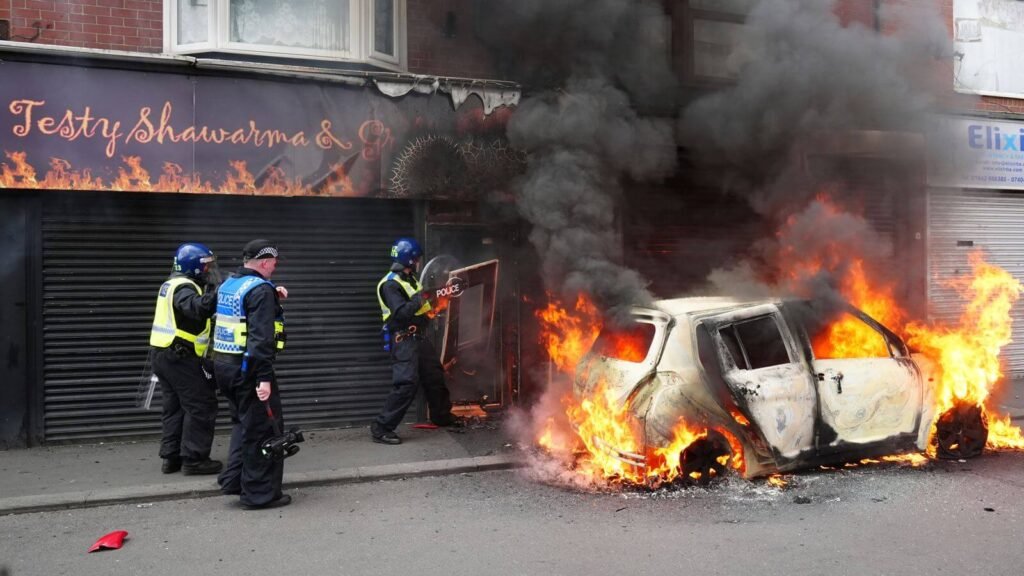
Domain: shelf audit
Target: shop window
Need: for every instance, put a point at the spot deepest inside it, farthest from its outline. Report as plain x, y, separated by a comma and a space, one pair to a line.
709, 36
368, 31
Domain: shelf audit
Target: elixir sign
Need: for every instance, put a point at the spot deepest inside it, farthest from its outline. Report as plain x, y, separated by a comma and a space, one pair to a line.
968, 152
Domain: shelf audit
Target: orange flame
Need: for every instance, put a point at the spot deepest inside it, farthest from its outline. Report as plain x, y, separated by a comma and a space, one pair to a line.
607, 440
567, 336
132, 176
968, 353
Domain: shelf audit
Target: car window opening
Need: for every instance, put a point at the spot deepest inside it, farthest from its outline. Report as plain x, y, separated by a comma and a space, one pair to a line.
755, 344
629, 344
847, 336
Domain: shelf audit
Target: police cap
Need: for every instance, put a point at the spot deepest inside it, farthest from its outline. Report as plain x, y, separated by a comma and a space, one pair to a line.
259, 249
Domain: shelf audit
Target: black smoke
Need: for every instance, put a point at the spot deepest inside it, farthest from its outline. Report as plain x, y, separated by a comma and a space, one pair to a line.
595, 74
809, 78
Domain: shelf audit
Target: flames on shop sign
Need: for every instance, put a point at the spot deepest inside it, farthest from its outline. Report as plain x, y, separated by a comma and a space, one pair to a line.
131, 176
966, 354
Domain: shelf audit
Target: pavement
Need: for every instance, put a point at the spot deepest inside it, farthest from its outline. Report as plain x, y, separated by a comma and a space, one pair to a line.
61, 477
65, 476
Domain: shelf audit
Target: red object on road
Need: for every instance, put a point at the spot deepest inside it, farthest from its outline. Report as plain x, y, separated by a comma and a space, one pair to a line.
425, 426
111, 541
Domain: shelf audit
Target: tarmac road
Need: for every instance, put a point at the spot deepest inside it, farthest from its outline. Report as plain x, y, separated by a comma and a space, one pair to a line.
946, 518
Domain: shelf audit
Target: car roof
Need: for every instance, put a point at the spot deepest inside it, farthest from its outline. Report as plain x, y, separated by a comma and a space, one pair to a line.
700, 304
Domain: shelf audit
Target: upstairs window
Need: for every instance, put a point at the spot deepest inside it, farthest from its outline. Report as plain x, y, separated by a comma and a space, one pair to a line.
369, 31
710, 33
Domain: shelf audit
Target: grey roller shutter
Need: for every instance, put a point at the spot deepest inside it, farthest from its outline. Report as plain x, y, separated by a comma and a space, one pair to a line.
105, 255
962, 221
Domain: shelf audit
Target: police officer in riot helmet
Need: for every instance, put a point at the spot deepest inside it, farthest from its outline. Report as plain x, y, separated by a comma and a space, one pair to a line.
414, 360
247, 338
180, 338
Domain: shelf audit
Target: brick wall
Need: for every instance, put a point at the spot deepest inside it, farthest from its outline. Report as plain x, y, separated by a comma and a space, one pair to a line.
430, 52
943, 71
135, 25
856, 11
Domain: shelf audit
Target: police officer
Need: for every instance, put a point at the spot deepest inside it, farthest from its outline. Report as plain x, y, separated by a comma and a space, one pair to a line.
248, 335
180, 337
414, 360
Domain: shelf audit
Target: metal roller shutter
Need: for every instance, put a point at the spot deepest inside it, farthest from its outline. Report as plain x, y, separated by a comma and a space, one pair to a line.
105, 255
959, 222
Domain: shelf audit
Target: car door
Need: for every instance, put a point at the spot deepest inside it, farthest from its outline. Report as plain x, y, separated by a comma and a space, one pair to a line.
761, 365
869, 389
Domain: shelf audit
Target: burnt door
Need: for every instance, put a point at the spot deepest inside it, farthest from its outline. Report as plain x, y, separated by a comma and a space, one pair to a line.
869, 388
14, 408
761, 365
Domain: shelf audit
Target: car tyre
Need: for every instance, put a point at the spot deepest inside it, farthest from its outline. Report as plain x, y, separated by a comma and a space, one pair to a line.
700, 461
961, 432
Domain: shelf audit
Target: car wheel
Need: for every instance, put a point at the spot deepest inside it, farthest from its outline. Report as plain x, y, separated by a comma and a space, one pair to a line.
961, 432
705, 459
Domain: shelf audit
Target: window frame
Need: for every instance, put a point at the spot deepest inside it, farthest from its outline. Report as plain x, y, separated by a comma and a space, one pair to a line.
361, 37
398, 33
733, 324
685, 55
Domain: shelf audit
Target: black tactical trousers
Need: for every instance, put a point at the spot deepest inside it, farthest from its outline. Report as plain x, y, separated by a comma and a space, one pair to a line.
414, 362
189, 405
248, 473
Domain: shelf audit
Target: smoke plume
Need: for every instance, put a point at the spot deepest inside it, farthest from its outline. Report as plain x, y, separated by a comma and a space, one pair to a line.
589, 68
810, 79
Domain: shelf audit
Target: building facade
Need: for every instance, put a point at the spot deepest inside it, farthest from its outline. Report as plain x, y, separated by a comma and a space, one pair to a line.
130, 127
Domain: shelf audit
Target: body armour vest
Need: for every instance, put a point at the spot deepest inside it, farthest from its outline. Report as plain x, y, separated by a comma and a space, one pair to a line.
230, 334
410, 291
165, 327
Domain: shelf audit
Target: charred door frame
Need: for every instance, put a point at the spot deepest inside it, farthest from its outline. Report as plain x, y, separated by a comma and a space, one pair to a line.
23, 399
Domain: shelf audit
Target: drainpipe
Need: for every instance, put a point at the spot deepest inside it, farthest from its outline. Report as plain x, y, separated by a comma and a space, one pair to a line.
877, 13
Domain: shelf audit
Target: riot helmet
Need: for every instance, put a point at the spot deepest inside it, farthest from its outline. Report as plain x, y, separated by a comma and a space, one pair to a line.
406, 251
197, 262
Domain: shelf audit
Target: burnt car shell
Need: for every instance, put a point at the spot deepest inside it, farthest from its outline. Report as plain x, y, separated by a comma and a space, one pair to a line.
748, 369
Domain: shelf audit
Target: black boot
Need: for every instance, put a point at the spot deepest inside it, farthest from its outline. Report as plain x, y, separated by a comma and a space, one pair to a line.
171, 465
201, 467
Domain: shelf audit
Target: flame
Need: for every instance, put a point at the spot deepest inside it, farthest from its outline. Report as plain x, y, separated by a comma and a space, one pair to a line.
969, 352
778, 481
568, 335
132, 176
849, 337
606, 441
966, 353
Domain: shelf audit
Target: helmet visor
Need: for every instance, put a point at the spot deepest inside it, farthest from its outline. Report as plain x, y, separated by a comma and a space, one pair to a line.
211, 272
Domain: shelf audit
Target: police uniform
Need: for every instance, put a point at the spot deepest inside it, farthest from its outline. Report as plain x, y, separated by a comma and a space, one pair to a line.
180, 337
414, 360
249, 333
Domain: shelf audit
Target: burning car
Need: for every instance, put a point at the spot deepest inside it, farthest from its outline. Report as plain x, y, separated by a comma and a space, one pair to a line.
706, 384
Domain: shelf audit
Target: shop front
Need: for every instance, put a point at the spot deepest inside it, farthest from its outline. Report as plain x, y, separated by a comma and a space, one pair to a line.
976, 204
108, 166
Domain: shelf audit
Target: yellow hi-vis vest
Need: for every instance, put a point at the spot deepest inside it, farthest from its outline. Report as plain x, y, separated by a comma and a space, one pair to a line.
410, 291
165, 329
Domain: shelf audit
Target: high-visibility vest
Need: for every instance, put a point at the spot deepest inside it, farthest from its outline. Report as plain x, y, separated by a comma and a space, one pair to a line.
410, 291
231, 333
165, 329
